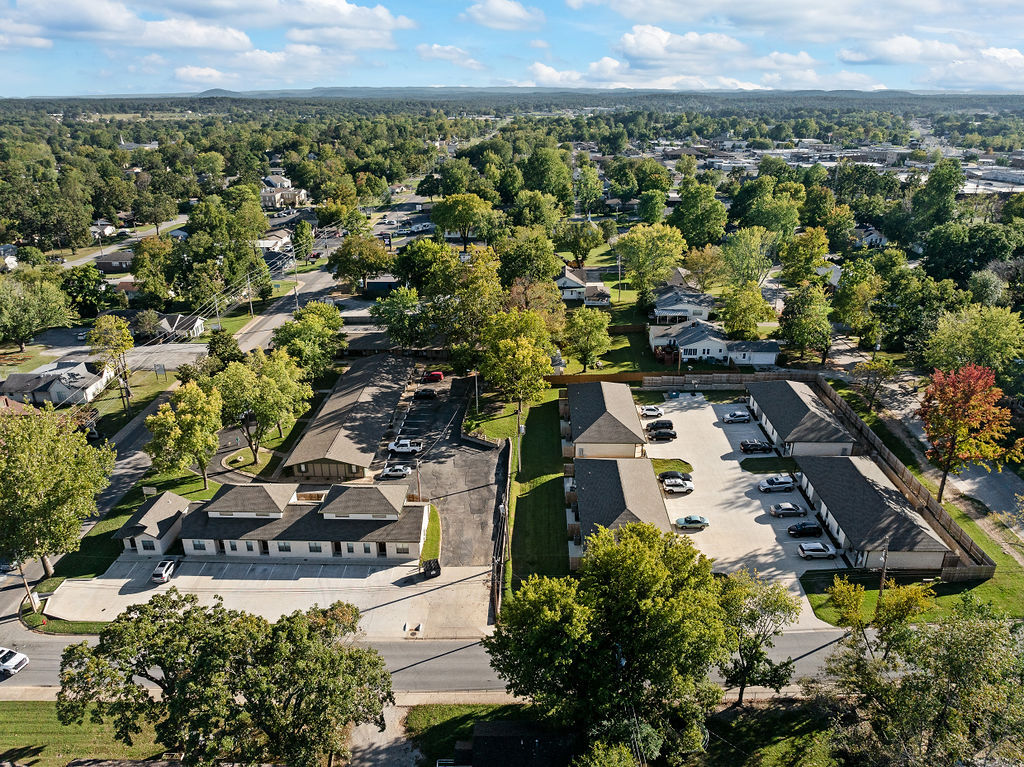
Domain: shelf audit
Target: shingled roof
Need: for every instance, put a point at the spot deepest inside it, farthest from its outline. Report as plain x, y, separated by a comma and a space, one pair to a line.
604, 413
613, 492
797, 413
257, 498
867, 506
349, 426
344, 500
155, 517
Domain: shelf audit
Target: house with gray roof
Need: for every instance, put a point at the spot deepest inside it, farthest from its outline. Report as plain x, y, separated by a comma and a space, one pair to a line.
610, 493
603, 421
62, 383
868, 516
796, 419
155, 525
359, 521
572, 283
706, 342
675, 304
343, 438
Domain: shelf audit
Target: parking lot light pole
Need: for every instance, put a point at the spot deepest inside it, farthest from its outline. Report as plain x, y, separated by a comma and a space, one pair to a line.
418, 490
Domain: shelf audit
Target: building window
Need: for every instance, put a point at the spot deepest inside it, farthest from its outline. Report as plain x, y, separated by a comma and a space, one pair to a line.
199, 545
302, 468
366, 548
284, 546
232, 545
148, 545
351, 549
249, 546
314, 548
689, 352
402, 548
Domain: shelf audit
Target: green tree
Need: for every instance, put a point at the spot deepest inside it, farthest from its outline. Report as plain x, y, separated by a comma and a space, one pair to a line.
429, 186
223, 347
803, 255
935, 202
153, 208
252, 402
290, 379
399, 314
302, 241
546, 171
147, 324
151, 268
744, 308
313, 337
648, 254
601, 754
510, 183
700, 216
706, 267
460, 213
185, 431
989, 336
578, 238
85, 288
749, 254
651, 175
535, 209
804, 322
586, 335
111, 339
516, 367
986, 288
51, 479
873, 375
757, 611
859, 286
529, 254
543, 298
358, 258
30, 308
588, 188
652, 206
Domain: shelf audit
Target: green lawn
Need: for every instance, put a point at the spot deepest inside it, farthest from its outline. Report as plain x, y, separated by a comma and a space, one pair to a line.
539, 536
776, 735
495, 419
310, 267
13, 360
145, 386
768, 465
30, 734
242, 461
98, 550
725, 395
435, 728
40, 622
432, 542
671, 464
238, 317
644, 397
624, 310
629, 353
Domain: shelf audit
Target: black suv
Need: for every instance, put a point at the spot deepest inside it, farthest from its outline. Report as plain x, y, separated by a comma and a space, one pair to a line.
661, 435
755, 446
424, 394
804, 530
657, 425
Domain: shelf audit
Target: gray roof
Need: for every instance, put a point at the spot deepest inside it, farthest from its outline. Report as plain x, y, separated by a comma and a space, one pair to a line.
867, 506
155, 517
573, 275
616, 491
668, 298
686, 333
304, 522
604, 413
258, 497
754, 346
350, 424
364, 499
74, 375
797, 413
597, 290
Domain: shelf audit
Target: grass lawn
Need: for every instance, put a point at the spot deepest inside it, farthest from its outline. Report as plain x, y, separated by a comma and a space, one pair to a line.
310, 267
495, 419
32, 735
671, 464
724, 396
47, 625
644, 397
145, 386
768, 465
539, 537
432, 542
98, 550
629, 353
436, 727
776, 735
242, 461
624, 310
13, 360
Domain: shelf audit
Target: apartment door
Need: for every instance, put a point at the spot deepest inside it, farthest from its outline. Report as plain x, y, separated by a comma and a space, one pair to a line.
264, 548
382, 549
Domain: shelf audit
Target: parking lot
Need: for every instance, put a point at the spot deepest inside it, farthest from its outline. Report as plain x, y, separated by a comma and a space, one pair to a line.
393, 600
741, 532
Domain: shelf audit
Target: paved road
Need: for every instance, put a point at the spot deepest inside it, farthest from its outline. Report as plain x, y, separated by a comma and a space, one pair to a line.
316, 285
126, 244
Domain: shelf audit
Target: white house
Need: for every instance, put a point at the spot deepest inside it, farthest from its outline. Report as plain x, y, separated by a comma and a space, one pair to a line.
359, 522
673, 304
758, 353
178, 326
868, 516
572, 283
62, 383
693, 341
796, 420
155, 525
868, 237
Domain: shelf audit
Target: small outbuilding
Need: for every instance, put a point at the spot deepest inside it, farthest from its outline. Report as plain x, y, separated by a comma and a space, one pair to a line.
155, 525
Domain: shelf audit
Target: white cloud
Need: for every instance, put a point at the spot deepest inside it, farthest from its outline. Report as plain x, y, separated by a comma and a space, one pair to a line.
608, 72
538, 43
812, 79
14, 34
202, 75
650, 46
782, 60
348, 38
188, 33
450, 53
988, 68
505, 14
900, 49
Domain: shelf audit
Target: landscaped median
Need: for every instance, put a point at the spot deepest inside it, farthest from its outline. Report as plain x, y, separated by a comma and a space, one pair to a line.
432, 542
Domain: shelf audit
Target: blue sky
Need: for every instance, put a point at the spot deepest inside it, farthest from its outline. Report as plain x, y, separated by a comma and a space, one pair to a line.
76, 47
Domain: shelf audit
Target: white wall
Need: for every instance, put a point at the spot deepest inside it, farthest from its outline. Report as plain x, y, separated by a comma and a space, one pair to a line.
821, 448
211, 548
591, 450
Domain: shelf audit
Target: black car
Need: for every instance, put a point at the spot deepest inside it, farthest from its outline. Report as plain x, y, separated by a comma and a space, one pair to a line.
755, 446
424, 394
804, 530
431, 568
661, 435
658, 425
675, 475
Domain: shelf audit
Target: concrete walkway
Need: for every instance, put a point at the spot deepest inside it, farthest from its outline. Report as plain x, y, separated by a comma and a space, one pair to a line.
372, 748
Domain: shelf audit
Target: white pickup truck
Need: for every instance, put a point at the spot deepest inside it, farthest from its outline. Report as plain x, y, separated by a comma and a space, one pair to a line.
406, 446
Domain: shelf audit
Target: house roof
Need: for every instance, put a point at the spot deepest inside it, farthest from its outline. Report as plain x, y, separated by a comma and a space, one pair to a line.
8, 405
259, 498
74, 375
155, 517
604, 413
180, 323
866, 505
349, 425
523, 744
344, 500
596, 290
754, 346
672, 298
304, 522
797, 413
613, 492
574, 276
686, 333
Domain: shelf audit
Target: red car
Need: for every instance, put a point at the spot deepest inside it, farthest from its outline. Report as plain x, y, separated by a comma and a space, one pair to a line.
433, 376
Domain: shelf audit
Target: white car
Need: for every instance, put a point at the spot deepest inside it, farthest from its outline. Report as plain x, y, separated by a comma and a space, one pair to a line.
737, 416
777, 484
395, 472
163, 571
11, 661
817, 550
651, 411
682, 486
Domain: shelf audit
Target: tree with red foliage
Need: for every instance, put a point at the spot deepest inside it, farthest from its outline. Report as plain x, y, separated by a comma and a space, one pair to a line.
965, 423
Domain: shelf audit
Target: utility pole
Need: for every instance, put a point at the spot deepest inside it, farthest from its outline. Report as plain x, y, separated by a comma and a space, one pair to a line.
248, 292
885, 558
295, 274
418, 489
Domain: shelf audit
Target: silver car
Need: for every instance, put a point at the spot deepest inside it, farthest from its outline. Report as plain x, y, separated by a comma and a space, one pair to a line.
11, 661
817, 550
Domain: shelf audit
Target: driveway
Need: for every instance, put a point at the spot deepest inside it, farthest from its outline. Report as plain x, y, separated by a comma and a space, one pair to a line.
394, 600
741, 533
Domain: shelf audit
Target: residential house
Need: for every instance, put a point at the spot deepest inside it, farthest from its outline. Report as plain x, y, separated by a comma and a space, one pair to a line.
275, 241
115, 262
597, 294
62, 383
758, 353
868, 516
102, 228
831, 272
610, 493
271, 197
179, 326
868, 237
572, 283
691, 341
15, 407
155, 525
359, 522
342, 440
603, 421
277, 182
796, 420
8, 250
178, 234
672, 304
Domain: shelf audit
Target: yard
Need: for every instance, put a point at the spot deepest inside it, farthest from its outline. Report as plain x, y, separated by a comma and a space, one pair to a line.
145, 386
432, 541
32, 735
435, 728
13, 360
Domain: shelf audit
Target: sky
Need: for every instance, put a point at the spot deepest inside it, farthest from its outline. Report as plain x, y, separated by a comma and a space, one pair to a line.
93, 47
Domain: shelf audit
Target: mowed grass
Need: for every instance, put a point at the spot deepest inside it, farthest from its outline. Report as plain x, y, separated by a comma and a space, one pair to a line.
630, 353
263, 468
495, 419
539, 535
238, 317
671, 464
777, 735
432, 542
436, 727
14, 360
145, 386
30, 734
